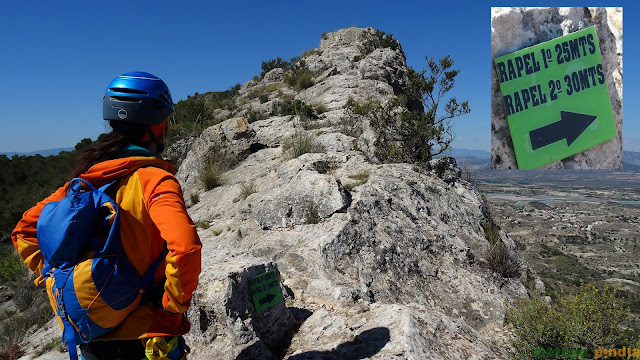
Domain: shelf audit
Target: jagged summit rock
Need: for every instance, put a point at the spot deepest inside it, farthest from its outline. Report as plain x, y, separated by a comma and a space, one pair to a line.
375, 260
357, 66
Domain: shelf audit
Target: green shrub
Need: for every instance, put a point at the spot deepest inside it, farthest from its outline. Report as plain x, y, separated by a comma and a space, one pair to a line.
276, 63
12, 268
253, 115
273, 64
310, 52
361, 178
310, 124
195, 197
357, 58
229, 104
297, 107
211, 176
379, 40
499, 258
350, 124
311, 215
363, 109
38, 314
219, 160
321, 109
247, 189
286, 145
52, 345
202, 224
216, 232
263, 98
299, 76
301, 143
12, 351
305, 112
587, 319
421, 131
195, 114
273, 87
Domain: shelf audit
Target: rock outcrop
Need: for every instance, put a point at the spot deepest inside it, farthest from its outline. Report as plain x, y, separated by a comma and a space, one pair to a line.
517, 28
375, 260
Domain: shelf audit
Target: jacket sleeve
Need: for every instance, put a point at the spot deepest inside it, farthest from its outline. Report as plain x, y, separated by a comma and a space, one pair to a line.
24, 236
167, 210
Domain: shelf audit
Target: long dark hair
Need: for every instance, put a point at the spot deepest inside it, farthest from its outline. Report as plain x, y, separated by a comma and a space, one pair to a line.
108, 146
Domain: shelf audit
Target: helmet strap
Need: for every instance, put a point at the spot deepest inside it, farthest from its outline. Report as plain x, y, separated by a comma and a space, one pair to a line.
155, 139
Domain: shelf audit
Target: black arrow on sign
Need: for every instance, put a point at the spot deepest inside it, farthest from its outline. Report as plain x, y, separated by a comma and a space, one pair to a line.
267, 299
570, 127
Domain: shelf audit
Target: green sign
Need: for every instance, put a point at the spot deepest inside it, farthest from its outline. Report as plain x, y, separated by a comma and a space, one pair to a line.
265, 290
556, 98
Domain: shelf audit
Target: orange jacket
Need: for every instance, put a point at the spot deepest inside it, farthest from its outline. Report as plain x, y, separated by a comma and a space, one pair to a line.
152, 213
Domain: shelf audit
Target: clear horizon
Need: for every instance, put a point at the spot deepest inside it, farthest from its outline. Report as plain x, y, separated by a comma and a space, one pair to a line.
59, 58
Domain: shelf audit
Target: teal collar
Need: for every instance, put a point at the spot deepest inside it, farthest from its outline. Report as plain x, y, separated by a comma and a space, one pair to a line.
135, 150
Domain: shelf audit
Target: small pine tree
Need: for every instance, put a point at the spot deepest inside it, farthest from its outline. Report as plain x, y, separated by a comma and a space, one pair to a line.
424, 130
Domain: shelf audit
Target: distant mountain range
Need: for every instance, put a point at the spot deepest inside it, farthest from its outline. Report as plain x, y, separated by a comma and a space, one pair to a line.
629, 166
631, 157
479, 154
466, 158
47, 152
481, 159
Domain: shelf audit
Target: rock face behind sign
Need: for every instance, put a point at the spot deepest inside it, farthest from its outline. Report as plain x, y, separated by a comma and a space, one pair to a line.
375, 260
517, 28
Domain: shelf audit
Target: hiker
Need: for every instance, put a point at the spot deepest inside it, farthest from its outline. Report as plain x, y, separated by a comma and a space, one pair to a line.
153, 221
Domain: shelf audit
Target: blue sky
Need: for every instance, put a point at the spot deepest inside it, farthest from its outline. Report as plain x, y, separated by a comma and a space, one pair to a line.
58, 57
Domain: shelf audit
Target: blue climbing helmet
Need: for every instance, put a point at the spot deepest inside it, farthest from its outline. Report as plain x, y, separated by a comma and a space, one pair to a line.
137, 97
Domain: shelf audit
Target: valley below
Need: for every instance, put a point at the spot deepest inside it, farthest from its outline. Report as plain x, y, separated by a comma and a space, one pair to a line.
572, 226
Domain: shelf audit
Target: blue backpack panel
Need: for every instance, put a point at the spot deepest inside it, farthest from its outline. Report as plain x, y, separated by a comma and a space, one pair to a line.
91, 285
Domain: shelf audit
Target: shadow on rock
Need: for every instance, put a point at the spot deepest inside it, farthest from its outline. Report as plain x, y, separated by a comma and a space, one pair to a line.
261, 350
365, 345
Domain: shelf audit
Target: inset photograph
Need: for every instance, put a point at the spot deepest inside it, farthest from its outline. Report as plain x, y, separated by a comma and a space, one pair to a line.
556, 88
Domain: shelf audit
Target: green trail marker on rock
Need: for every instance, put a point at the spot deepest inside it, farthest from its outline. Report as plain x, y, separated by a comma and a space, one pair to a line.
265, 290
556, 98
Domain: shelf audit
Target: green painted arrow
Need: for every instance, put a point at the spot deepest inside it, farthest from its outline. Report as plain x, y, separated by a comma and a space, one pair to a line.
570, 127
267, 299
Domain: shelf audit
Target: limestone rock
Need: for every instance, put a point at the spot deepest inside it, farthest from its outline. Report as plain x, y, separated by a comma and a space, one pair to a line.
403, 238
377, 75
40, 338
412, 239
231, 138
376, 260
274, 130
446, 168
384, 331
276, 74
298, 195
178, 151
517, 28
223, 312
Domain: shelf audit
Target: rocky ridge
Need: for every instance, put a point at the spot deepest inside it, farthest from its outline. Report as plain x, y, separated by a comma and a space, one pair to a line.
375, 260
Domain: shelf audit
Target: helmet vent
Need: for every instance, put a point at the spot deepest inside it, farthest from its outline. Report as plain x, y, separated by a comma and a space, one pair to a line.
128, 91
125, 98
164, 98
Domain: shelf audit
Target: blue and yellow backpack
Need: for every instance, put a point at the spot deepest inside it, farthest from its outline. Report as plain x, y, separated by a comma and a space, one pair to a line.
92, 287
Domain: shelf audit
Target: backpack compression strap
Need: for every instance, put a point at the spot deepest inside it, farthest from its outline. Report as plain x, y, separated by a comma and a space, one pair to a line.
68, 334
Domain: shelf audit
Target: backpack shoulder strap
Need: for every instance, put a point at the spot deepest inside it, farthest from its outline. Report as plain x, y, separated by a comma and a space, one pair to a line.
74, 184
